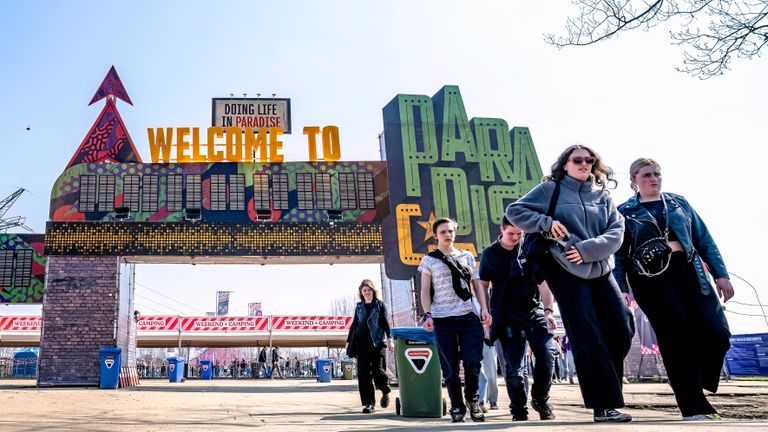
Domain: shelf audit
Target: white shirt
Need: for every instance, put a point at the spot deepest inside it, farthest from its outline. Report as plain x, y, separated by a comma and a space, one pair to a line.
445, 302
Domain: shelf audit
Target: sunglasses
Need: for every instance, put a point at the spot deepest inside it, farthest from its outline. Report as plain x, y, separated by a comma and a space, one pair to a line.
578, 160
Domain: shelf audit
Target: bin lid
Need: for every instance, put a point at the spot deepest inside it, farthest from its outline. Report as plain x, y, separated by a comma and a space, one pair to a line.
414, 333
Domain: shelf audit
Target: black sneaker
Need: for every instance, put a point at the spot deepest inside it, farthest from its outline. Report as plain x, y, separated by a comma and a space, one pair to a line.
457, 414
475, 413
384, 400
494, 406
368, 409
543, 408
611, 415
519, 416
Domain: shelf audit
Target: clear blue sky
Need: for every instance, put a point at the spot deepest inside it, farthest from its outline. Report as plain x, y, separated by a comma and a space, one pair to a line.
340, 62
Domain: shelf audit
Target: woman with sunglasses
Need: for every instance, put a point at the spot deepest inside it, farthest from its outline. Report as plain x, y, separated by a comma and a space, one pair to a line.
673, 290
573, 207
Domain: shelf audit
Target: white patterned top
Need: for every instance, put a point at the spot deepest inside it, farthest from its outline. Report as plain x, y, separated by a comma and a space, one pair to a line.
446, 303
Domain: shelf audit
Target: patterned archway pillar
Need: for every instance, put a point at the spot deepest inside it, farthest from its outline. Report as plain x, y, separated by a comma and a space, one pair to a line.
87, 306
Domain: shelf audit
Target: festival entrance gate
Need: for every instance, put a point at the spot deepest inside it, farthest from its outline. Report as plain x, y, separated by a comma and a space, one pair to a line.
110, 211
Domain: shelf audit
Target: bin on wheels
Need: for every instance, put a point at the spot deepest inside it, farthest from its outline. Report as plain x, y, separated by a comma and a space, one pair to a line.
418, 373
206, 369
324, 370
175, 369
109, 368
347, 369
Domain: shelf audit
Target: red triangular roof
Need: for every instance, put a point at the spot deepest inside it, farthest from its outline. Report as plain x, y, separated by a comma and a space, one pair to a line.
111, 86
108, 140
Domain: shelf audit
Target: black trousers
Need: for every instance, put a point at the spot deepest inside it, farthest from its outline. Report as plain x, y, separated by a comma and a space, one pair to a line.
513, 342
691, 329
600, 327
371, 370
460, 338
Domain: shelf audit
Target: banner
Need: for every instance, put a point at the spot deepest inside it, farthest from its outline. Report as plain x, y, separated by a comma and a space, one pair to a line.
21, 323
157, 323
224, 324
254, 309
222, 303
748, 355
315, 323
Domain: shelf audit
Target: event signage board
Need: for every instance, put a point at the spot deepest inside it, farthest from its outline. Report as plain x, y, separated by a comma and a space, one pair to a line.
21, 323
224, 324
441, 163
252, 113
297, 322
748, 355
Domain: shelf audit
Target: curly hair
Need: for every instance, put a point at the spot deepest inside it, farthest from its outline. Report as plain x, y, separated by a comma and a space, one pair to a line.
601, 174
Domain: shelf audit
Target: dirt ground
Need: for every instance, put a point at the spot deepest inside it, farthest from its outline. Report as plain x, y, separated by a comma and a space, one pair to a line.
231, 405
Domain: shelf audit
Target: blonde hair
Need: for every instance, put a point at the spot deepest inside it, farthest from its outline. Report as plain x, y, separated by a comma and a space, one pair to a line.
635, 168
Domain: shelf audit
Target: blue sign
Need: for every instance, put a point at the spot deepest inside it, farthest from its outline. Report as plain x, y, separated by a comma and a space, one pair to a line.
748, 355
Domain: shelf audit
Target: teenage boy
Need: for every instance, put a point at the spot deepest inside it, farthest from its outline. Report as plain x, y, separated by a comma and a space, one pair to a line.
449, 281
519, 316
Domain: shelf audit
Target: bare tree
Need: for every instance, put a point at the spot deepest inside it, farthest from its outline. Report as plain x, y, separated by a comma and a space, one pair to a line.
344, 306
712, 31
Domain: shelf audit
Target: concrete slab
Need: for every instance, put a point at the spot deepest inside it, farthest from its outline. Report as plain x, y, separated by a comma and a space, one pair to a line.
231, 405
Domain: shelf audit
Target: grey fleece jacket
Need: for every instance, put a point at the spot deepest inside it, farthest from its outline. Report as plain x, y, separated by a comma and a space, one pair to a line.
595, 227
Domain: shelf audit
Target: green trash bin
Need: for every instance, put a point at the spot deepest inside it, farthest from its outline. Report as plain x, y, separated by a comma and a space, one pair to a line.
347, 369
418, 373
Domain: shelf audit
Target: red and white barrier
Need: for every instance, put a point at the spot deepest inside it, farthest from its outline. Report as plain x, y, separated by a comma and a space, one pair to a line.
21, 323
311, 323
129, 377
168, 323
158, 323
224, 324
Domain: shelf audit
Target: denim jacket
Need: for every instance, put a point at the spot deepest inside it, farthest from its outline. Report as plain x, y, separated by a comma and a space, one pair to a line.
691, 231
376, 323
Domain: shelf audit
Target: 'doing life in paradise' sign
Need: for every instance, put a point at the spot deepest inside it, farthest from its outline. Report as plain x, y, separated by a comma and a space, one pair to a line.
252, 113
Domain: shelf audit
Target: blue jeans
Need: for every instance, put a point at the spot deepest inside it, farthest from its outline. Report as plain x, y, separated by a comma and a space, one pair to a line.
460, 338
513, 342
489, 390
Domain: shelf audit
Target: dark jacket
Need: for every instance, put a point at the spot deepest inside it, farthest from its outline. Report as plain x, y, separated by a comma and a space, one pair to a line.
376, 323
691, 231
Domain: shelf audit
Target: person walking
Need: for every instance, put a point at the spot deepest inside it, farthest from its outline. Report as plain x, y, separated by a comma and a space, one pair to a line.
368, 338
575, 218
570, 365
488, 381
262, 361
450, 313
663, 258
520, 317
276, 365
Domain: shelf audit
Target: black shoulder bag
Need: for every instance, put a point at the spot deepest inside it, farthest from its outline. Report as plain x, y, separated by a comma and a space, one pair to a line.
535, 243
653, 256
461, 274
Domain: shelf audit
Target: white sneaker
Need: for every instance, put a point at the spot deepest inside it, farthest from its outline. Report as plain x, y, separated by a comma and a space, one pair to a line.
703, 417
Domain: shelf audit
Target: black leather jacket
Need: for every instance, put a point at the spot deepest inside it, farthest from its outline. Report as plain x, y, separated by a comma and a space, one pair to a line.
691, 231
376, 323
